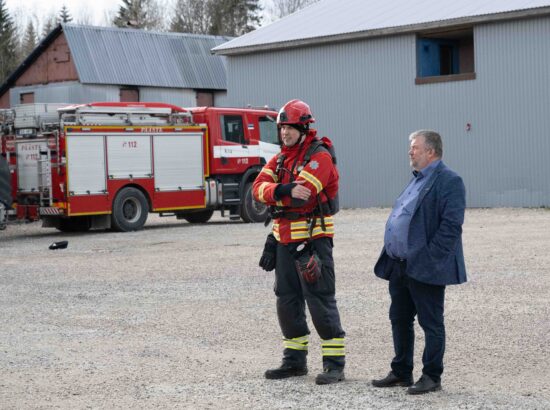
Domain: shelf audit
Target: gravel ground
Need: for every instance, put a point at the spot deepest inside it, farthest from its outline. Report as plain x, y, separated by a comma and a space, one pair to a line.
180, 316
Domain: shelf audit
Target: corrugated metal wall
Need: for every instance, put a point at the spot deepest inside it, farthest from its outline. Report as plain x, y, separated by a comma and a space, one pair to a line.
364, 97
179, 97
74, 93
66, 92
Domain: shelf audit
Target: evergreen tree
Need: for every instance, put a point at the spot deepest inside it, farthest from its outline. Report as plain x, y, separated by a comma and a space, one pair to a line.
64, 15
30, 40
8, 43
235, 17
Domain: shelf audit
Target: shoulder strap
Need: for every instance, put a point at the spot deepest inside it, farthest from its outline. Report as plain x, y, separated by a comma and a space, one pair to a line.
315, 145
280, 161
332, 204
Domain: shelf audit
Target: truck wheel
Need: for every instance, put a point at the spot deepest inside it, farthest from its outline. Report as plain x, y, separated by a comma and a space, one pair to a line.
198, 217
74, 224
251, 210
130, 210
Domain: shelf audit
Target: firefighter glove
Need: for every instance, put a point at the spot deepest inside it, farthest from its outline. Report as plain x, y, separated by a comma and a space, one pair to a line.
267, 261
309, 266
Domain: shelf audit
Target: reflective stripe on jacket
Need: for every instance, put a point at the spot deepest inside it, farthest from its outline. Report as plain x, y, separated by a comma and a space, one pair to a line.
319, 175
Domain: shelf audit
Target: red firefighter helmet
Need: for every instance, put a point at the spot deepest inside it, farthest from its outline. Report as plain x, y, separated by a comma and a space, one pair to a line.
295, 112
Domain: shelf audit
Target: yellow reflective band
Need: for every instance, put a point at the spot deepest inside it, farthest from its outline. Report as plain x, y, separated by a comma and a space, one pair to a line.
305, 234
261, 191
333, 347
338, 341
297, 343
301, 339
312, 180
334, 352
279, 203
294, 346
299, 235
328, 221
270, 173
298, 225
319, 231
304, 224
300, 229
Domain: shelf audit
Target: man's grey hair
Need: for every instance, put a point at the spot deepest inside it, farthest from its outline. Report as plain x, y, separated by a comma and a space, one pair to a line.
432, 140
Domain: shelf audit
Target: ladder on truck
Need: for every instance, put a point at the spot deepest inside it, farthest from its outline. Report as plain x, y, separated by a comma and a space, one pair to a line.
155, 114
45, 177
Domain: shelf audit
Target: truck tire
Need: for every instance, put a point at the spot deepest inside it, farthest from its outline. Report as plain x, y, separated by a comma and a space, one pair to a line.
251, 210
130, 210
198, 217
74, 224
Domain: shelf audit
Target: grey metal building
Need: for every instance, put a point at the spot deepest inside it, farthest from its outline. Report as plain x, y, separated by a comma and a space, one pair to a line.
373, 71
80, 64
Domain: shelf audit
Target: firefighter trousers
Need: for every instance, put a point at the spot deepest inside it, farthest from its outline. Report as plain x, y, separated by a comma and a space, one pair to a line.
293, 292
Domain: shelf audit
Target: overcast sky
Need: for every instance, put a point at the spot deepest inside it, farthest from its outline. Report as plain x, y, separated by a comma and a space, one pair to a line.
92, 12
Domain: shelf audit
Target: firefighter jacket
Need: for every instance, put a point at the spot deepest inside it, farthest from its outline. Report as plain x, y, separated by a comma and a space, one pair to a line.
296, 220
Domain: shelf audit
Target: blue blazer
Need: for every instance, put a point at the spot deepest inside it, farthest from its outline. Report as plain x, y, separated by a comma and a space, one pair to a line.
434, 253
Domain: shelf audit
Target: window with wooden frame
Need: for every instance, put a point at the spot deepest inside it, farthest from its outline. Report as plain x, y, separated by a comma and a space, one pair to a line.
445, 56
26, 98
129, 94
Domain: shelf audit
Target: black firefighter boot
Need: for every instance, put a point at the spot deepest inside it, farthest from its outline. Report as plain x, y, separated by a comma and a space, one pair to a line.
294, 360
330, 376
284, 371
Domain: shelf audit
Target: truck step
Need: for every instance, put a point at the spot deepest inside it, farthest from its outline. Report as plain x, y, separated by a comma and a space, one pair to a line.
230, 193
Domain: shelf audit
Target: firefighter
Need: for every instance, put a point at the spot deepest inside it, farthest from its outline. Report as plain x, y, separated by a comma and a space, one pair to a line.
301, 185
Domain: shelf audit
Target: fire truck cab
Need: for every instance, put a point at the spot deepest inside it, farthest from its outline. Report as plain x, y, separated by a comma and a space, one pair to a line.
107, 165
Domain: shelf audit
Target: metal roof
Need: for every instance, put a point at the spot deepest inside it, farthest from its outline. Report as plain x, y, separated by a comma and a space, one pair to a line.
105, 55
340, 20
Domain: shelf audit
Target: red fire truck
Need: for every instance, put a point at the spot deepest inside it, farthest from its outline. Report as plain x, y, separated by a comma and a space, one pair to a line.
107, 165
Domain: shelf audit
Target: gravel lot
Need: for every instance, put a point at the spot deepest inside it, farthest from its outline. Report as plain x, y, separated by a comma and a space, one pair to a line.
180, 316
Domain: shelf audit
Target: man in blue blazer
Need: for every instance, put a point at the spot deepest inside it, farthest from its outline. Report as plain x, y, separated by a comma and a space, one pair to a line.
422, 254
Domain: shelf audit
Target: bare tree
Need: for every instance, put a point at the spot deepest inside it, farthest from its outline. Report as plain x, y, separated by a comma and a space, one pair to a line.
85, 19
109, 16
217, 17
192, 16
49, 22
282, 8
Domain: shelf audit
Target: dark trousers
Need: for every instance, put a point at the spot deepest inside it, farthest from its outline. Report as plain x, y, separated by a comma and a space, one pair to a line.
293, 292
408, 299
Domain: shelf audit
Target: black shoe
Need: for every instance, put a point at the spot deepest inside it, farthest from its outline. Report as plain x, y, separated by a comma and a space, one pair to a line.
424, 385
392, 380
285, 371
330, 376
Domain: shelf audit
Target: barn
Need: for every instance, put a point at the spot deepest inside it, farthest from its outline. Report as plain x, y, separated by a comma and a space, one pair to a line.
80, 64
